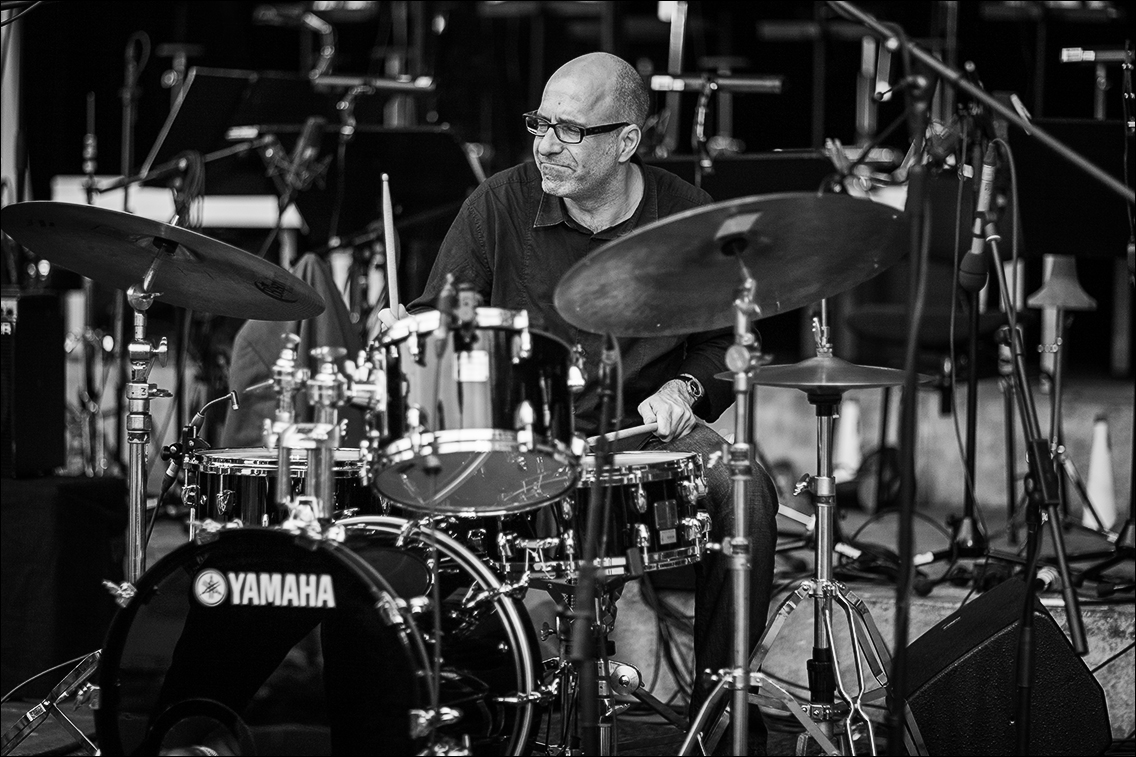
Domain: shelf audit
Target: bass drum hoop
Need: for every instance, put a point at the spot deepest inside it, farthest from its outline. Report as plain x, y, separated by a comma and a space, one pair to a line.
512, 621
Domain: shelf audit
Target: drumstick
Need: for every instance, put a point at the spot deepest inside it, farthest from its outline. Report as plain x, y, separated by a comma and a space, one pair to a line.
623, 433
388, 241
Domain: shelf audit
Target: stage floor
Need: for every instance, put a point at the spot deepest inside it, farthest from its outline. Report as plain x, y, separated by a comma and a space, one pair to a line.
1109, 624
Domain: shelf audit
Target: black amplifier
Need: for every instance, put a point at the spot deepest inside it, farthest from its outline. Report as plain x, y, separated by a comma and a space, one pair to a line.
32, 378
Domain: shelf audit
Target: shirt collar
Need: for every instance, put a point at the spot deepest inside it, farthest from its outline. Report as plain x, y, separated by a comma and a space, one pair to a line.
551, 211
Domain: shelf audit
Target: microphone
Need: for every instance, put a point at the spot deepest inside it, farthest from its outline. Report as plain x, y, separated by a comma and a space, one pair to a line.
268, 15
767, 85
188, 432
973, 268
305, 152
608, 359
302, 167
446, 299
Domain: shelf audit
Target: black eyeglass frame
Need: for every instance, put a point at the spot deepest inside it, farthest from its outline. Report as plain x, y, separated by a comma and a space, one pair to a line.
585, 131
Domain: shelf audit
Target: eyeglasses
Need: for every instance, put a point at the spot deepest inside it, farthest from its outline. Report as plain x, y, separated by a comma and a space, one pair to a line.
569, 134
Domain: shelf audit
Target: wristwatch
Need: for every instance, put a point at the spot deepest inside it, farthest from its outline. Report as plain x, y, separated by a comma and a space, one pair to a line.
693, 387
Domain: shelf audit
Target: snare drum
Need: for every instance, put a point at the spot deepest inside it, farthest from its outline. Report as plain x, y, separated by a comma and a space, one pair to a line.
262, 641
655, 521
485, 427
238, 483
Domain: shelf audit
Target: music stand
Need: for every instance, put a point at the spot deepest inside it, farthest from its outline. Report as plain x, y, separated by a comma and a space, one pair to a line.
217, 103
430, 172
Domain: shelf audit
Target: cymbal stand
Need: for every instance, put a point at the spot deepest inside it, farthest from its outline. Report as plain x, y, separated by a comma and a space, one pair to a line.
743, 356
75, 684
142, 354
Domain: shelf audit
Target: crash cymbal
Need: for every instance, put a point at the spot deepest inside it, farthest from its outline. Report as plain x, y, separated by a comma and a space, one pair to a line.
197, 272
671, 277
825, 375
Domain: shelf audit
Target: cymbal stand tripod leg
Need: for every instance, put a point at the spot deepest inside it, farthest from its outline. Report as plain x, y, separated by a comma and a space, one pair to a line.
74, 684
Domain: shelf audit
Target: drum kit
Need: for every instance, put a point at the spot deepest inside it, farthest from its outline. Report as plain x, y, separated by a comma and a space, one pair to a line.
368, 600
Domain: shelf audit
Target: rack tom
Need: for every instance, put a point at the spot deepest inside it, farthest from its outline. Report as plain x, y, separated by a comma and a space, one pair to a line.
478, 419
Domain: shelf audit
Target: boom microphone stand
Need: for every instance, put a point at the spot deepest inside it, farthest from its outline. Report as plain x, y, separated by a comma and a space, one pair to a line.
1043, 488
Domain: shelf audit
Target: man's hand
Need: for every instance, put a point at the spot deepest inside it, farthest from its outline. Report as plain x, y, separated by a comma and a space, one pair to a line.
670, 408
388, 318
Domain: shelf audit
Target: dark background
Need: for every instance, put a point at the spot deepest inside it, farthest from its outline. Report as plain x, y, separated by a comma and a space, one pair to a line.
490, 59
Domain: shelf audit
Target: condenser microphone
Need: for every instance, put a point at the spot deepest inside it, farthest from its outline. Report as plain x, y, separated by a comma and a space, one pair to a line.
770, 85
305, 152
973, 268
446, 298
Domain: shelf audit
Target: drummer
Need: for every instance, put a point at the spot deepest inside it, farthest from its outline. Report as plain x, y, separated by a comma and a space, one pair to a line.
523, 228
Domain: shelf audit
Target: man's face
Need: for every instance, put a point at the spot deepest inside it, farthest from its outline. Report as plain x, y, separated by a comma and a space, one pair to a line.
575, 171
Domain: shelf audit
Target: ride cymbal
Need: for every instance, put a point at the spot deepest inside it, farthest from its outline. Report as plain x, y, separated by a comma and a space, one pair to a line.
196, 272
672, 277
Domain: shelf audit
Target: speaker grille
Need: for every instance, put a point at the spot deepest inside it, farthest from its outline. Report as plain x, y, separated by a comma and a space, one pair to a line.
964, 684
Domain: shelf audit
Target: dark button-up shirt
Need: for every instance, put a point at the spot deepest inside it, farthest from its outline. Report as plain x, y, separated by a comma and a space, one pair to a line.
512, 243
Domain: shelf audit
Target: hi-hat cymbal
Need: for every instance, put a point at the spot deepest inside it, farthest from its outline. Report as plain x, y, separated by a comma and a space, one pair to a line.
196, 272
824, 374
672, 277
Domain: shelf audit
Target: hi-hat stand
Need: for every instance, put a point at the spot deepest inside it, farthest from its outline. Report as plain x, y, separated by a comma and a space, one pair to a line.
828, 721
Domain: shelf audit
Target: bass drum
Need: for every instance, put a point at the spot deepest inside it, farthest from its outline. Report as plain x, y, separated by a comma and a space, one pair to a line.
264, 641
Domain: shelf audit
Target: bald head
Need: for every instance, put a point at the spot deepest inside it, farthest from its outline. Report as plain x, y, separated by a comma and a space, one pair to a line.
602, 84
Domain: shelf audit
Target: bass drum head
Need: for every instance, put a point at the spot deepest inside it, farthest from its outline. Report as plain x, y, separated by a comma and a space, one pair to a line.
489, 649
261, 641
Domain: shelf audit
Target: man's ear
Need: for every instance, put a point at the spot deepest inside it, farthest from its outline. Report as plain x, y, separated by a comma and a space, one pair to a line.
629, 140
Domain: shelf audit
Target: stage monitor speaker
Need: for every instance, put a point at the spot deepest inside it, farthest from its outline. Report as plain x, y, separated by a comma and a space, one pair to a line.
32, 378
962, 683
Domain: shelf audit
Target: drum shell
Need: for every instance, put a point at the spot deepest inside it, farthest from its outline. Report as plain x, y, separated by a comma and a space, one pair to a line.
655, 512
239, 484
467, 403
